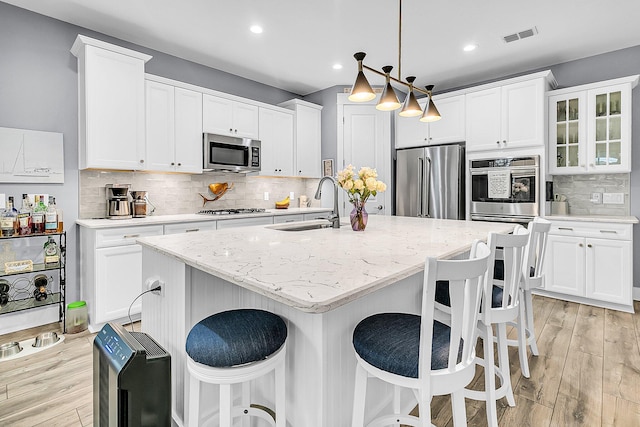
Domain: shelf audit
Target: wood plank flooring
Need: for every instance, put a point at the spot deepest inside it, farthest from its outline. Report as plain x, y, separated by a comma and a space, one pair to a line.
587, 374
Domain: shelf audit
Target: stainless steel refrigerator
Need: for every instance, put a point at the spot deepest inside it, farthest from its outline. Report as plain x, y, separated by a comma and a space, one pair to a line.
430, 182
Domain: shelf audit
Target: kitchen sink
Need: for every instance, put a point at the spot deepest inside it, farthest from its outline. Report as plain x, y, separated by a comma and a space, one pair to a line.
301, 226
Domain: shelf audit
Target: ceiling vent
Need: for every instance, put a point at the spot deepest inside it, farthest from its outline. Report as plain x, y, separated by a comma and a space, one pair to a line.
520, 35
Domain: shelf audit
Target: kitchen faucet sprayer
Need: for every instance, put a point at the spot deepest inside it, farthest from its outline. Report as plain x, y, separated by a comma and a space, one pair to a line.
335, 215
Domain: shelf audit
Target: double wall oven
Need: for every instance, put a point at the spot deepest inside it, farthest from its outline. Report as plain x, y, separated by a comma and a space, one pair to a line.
505, 189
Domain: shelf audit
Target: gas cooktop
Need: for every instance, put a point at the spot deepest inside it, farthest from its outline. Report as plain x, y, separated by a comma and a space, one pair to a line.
231, 211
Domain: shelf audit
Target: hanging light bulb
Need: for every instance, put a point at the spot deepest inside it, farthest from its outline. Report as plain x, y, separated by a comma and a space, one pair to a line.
389, 100
361, 90
410, 108
431, 113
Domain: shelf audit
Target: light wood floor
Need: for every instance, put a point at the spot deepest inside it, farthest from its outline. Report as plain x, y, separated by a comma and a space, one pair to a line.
587, 374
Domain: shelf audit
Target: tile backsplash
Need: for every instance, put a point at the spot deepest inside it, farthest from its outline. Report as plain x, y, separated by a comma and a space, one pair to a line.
180, 193
578, 189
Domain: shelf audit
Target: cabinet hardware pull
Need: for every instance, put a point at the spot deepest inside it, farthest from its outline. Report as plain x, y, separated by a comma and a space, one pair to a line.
504, 141
289, 220
589, 245
565, 228
173, 164
498, 142
609, 231
191, 230
131, 236
580, 244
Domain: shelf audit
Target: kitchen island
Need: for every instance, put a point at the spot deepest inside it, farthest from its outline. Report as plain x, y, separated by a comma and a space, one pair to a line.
323, 282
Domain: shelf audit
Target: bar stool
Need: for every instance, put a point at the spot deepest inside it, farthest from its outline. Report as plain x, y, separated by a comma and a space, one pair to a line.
532, 277
418, 351
235, 347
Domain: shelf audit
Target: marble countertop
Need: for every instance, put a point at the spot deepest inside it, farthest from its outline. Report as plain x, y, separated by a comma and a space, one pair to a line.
318, 270
594, 218
168, 219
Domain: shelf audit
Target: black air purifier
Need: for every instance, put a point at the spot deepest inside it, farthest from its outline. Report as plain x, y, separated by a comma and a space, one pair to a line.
131, 380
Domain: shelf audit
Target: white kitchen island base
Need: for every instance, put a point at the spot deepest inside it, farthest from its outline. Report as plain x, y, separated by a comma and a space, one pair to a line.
320, 359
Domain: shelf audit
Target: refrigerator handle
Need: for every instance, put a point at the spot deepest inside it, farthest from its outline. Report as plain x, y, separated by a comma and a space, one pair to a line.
420, 185
427, 186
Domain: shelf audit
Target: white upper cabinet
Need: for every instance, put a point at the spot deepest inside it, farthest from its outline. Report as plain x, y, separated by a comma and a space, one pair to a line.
111, 107
276, 139
411, 132
307, 137
228, 117
508, 116
174, 128
590, 128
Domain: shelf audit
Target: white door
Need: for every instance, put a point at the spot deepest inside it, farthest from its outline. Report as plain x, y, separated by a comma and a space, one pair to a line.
565, 268
188, 131
118, 282
608, 272
367, 142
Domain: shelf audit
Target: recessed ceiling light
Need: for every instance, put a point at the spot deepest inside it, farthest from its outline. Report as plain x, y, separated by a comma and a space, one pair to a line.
337, 66
256, 29
470, 47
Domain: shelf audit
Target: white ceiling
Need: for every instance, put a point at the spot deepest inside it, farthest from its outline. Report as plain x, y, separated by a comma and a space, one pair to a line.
302, 39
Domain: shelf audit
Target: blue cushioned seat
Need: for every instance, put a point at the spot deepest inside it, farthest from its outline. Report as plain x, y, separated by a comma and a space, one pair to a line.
442, 294
391, 342
498, 270
236, 337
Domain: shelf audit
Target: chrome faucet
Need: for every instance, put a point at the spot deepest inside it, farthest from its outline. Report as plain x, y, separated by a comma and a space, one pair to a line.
335, 215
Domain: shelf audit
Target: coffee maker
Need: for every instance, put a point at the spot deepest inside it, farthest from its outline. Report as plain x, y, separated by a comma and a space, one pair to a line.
139, 204
118, 201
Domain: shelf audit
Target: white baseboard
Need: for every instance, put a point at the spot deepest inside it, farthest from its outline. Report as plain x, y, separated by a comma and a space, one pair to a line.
636, 294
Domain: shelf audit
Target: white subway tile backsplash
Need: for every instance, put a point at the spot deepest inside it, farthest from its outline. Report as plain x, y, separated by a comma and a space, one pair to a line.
578, 189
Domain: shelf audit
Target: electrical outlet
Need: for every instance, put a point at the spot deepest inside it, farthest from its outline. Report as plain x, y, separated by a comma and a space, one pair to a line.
292, 195
153, 283
266, 195
613, 198
596, 198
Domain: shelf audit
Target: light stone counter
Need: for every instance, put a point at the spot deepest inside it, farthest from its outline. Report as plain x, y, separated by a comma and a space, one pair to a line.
183, 218
594, 218
322, 282
319, 270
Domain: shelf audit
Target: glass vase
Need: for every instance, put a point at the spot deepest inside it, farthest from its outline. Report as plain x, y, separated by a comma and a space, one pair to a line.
358, 216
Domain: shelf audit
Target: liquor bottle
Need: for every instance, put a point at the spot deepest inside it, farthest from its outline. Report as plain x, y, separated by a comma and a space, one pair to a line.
9, 220
25, 222
51, 253
60, 225
39, 211
51, 217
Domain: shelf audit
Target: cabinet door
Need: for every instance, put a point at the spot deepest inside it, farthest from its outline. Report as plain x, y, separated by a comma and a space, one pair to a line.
307, 141
118, 281
112, 110
565, 265
276, 136
217, 115
188, 131
245, 120
567, 133
609, 265
244, 222
451, 127
483, 114
189, 227
523, 114
411, 132
281, 219
160, 126
609, 129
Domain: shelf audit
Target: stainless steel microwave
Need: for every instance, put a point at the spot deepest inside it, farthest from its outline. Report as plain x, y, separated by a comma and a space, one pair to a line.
230, 154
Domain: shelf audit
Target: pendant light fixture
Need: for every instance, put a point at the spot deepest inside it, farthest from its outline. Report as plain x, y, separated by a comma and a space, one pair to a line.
431, 113
362, 91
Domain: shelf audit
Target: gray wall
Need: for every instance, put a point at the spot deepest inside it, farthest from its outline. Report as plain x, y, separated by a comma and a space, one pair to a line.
39, 91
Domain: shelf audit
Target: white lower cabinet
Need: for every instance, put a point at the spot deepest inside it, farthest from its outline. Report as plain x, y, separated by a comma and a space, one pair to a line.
245, 222
281, 219
591, 262
111, 272
189, 227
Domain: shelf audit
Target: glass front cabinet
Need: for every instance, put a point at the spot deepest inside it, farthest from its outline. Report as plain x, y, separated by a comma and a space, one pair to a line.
590, 128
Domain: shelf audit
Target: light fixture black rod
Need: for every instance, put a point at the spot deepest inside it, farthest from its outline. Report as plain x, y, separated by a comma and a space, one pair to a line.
399, 39
380, 73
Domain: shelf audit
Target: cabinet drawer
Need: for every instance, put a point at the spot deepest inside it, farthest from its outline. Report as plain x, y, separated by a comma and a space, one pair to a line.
603, 230
316, 215
279, 219
125, 235
189, 227
245, 222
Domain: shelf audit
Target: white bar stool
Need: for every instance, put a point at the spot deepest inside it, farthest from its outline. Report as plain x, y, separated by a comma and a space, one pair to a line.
235, 347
